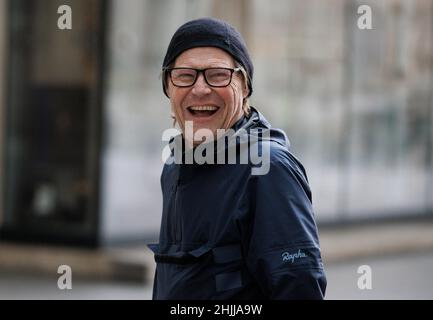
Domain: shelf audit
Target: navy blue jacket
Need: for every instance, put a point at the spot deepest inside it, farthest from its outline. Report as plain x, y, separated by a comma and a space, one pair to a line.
229, 234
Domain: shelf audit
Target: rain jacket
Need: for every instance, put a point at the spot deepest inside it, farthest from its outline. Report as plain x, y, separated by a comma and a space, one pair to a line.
229, 234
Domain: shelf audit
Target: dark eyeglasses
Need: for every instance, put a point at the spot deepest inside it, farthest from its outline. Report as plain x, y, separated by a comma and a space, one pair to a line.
187, 77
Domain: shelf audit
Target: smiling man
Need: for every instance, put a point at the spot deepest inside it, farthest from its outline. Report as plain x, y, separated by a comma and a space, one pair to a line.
207, 91
227, 233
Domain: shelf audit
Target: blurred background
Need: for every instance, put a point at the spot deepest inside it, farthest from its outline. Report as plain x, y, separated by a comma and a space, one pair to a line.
82, 114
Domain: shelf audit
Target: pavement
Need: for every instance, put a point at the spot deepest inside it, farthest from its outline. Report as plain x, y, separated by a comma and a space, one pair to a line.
393, 277
128, 272
26, 286
344, 243
118, 264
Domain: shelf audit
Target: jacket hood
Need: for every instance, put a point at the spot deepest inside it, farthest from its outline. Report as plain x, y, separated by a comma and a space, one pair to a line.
257, 121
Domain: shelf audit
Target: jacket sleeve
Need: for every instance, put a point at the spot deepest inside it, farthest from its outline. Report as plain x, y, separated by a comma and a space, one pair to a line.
281, 239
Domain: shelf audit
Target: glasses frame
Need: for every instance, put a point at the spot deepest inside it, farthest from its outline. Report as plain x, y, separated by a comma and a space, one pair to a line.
198, 71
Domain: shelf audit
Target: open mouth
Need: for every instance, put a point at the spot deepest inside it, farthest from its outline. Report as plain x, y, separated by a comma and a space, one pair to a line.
202, 111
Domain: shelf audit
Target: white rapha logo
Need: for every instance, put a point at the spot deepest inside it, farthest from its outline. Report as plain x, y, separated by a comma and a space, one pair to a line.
254, 147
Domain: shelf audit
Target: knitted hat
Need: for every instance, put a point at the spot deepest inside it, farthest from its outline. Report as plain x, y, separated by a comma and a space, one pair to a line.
209, 32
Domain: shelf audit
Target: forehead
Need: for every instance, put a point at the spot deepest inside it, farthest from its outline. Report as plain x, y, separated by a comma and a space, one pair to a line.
204, 57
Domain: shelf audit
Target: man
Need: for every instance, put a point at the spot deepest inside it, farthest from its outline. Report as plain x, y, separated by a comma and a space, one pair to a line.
229, 232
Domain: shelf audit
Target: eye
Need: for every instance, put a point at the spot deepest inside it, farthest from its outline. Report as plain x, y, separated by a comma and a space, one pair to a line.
183, 74
218, 74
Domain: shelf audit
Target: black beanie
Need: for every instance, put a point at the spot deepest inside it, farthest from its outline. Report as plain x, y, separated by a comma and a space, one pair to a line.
209, 32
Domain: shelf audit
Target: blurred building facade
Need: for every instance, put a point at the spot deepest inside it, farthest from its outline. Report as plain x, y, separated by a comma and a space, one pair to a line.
82, 111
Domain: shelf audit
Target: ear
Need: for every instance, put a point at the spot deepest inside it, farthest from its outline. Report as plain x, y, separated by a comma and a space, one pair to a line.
245, 87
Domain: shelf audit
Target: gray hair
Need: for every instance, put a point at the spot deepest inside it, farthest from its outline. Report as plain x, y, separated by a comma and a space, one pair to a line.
246, 102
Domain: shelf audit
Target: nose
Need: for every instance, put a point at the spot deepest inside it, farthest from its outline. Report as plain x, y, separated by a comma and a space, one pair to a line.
200, 87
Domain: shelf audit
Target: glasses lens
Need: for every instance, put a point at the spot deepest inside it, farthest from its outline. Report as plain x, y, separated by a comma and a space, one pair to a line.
218, 77
183, 77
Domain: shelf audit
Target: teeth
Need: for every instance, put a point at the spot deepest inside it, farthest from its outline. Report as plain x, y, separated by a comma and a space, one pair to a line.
203, 108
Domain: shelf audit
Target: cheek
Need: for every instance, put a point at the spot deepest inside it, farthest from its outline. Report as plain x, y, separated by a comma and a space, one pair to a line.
176, 98
175, 103
235, 98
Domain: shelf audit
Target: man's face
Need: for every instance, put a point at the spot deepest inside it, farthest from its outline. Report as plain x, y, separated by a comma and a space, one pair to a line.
226, 101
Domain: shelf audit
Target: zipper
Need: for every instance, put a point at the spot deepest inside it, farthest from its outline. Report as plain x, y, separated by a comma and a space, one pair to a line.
176, 228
